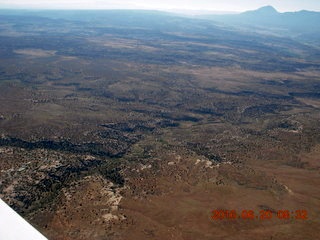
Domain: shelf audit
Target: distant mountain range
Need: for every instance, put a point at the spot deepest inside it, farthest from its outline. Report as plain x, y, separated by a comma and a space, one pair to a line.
297, 21
300, 25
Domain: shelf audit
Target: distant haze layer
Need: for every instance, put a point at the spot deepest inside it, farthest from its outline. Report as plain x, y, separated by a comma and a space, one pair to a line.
211, 5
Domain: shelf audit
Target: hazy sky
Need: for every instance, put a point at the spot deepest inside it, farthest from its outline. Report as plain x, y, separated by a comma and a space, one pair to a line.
214, 5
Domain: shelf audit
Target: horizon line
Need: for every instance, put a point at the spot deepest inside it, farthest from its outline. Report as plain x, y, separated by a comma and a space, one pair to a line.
172, 10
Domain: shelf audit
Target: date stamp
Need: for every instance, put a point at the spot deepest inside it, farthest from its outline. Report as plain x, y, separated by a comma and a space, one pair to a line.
220, 214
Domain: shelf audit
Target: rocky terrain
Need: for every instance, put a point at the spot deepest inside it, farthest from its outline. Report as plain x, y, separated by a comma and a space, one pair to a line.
137, 125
